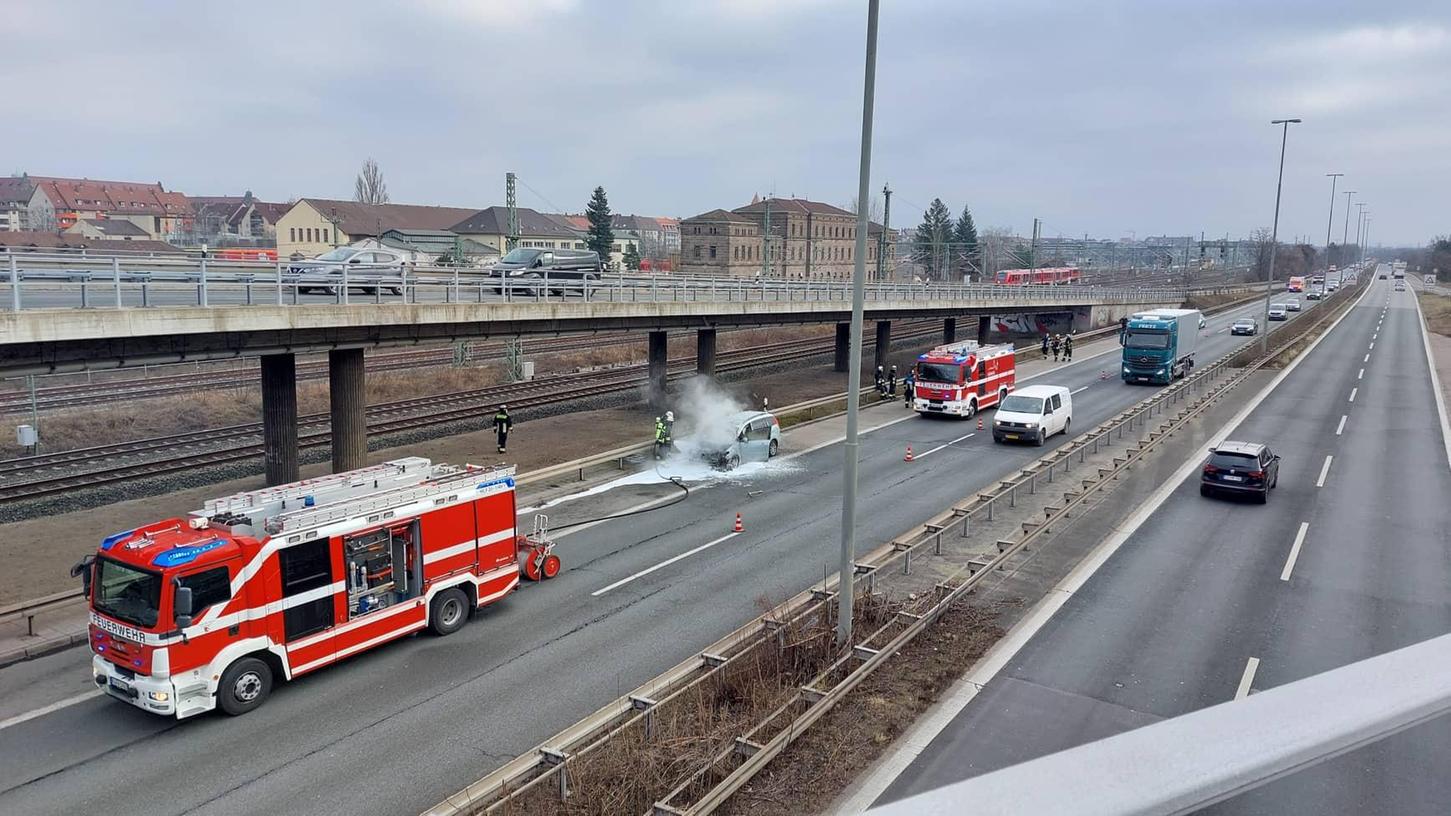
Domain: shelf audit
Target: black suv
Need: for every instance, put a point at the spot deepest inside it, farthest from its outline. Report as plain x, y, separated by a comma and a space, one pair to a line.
1240, 467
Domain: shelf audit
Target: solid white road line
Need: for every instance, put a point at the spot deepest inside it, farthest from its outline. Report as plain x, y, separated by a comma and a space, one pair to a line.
1352, 394
1361, 375
1324, 471
667, 562
1339, 429
1435, 381
1247, 678
1294, 551
911, 743
44, 710
940, 447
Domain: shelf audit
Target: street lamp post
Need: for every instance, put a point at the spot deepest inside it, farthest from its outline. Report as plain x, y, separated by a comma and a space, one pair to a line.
845, 578
1275, 232
1360, 231
1345, 232
1330, 219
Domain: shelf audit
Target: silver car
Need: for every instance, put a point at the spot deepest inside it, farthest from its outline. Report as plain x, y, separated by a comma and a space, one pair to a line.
365, 265
754, 436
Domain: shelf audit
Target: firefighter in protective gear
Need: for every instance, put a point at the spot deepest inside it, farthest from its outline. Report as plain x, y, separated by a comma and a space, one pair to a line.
881, 381
502, 423
892, 383
662, 438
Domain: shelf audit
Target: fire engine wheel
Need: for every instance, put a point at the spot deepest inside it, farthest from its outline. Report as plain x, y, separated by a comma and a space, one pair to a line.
551, 565
448, 612
244, 686
971, 409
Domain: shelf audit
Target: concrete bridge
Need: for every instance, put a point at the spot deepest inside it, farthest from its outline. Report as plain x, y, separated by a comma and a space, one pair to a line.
229, 319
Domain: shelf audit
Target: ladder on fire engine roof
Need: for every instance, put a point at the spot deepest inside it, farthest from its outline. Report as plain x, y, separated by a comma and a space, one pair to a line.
443, 484
332, 487
965, 347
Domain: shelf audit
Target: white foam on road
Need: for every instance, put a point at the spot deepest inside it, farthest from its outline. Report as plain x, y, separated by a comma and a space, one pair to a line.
689, 470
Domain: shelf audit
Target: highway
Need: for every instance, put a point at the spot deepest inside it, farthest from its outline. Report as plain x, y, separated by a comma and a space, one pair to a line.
1212, 599
394, 730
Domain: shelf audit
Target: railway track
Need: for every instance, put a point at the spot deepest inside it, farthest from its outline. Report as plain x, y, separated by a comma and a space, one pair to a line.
97, 393
56, 473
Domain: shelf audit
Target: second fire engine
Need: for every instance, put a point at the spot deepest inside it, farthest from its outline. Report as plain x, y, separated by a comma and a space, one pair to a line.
960, 379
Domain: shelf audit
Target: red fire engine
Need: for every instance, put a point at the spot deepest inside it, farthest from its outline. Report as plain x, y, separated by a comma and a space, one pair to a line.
207, 611
960, 379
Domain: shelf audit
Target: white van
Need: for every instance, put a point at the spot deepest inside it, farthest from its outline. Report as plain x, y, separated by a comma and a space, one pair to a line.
1033, 414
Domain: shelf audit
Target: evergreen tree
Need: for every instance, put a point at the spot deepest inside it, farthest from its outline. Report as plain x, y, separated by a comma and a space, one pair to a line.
933, 236
964, 240
601, 236
632, 256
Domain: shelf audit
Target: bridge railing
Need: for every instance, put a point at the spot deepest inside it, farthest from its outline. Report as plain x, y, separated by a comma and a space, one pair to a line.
39, 281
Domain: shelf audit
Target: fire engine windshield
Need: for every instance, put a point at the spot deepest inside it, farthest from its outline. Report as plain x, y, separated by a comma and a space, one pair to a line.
1140, 338
127, 593
938, 372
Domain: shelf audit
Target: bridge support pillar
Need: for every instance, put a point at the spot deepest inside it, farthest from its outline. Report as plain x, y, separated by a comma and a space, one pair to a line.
279, 417
984, 325
347, 400
843, 347
884, 342
949, 329
657, 358
705, 352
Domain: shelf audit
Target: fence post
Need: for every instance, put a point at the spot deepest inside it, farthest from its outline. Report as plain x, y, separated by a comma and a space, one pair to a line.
14, 284
343, 293
202, 286
116, 278
455, 284
277, 267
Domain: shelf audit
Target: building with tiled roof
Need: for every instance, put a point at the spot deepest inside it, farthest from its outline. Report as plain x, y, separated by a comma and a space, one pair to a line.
153, 208
315, 225
23, 206
107, 229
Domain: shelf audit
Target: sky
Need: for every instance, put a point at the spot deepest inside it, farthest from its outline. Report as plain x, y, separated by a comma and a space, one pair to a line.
1113, 119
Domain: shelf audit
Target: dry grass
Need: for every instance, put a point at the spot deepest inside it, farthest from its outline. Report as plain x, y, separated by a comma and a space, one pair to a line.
641, 765
1202, 302
1437, 309
815, 769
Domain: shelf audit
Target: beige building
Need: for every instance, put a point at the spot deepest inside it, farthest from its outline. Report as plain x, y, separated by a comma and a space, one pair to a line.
160, 212
315, 225
720, 242
107, 229
805, 240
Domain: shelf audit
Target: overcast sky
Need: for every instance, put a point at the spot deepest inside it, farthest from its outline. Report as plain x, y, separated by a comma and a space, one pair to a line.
1142, 117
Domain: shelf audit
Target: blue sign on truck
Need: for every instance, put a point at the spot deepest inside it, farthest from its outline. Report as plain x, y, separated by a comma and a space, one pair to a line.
1159, 345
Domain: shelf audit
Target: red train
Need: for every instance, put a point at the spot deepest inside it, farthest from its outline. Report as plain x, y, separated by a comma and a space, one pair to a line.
1044, 275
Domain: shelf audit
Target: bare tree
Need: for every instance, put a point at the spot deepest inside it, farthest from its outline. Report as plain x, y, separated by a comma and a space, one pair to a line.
370, 187
1263, 248
874, 208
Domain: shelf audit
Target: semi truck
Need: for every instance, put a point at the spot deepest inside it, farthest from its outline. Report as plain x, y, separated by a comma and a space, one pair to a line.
1159, 345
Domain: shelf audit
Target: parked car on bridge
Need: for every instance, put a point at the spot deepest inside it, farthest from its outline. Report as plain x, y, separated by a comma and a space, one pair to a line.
364, 265
1240, 467
1245, 326
746, 436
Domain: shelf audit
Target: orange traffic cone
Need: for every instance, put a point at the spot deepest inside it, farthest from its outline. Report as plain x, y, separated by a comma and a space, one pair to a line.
740, 527
979, 423
908, 457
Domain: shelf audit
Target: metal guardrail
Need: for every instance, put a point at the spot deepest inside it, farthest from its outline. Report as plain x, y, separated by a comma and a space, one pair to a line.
29, 609
121, 283
548, 762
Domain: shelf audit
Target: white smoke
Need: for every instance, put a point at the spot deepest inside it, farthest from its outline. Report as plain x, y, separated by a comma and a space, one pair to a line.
703, 412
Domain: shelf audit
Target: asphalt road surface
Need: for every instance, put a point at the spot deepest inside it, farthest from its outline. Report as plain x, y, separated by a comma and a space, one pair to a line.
399, 728
1212, 598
